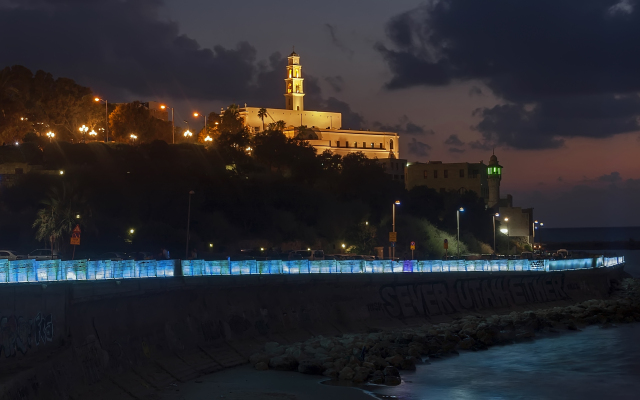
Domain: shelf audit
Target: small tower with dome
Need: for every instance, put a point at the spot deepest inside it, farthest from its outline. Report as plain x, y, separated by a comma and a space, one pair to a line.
294, 92
494, 175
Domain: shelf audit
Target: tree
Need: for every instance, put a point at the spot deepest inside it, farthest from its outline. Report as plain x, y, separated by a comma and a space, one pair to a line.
261, 114
277, 126
135, 118
230, 120
57, 218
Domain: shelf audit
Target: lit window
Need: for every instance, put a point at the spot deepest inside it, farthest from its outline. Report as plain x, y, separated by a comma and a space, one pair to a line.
391, 144
372, 145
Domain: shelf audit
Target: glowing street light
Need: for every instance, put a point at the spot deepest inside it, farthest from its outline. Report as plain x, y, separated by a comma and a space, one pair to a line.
61, 172
393, 222
83, 129
50, 135
93, 134
195, 114
506, 219
458, 219
188, 134
173, 127
131, 231
494, 231
208, 139
106, 116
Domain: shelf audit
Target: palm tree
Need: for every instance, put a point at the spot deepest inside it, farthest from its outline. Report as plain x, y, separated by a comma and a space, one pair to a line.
261, 114
277, 126
58, 217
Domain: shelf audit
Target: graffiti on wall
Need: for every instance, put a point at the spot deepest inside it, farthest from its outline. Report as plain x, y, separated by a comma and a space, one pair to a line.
18, 334
441, 297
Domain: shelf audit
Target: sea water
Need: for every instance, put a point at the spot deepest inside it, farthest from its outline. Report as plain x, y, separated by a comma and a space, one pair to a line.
595, 363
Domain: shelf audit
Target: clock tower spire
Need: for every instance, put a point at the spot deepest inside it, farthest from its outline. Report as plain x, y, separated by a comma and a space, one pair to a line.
294, 92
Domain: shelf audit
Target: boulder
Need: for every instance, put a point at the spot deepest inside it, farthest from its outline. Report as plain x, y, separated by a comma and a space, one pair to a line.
283, 363
261, 366
346, 374
310, 367
396, 360
392, 380
361, 374
377, 378
259, 357
391, 371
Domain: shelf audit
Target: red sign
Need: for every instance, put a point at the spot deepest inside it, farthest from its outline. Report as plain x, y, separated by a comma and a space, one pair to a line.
75, 236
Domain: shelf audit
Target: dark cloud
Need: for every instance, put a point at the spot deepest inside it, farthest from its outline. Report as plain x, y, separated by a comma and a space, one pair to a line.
124, 50
456, 150
454, 140
566, 68
475, 91
332, 30
404, 125
610, 178
336, 82
418, 148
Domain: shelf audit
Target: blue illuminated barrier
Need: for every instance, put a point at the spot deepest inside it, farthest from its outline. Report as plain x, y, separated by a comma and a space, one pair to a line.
277, 267
84, 270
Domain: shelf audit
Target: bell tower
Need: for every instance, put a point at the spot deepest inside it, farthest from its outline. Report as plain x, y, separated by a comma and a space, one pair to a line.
294, 92
494, 176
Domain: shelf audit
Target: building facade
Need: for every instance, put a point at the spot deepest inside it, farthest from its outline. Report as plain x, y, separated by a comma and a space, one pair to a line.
443, 177
323, 129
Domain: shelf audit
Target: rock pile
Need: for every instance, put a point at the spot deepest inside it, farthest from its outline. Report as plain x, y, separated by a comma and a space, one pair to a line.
378, 357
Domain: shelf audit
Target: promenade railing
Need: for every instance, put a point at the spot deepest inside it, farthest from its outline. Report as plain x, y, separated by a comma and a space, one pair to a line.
84, 270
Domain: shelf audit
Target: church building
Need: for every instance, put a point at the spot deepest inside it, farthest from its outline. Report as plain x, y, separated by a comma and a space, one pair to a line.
323, 129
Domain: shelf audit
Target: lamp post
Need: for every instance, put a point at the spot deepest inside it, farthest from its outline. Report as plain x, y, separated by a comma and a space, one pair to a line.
187, 134
173, 127
494, 231
508, 236
93, 134
106, 116
186, 255
458, 219
50, 135
393, 249
133, 138
83, 129
195, 114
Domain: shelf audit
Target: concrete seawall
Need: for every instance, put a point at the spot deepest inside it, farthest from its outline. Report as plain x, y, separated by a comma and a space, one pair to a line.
127, 338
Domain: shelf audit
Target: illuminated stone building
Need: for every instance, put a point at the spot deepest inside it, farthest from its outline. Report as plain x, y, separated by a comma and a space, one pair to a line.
323, 129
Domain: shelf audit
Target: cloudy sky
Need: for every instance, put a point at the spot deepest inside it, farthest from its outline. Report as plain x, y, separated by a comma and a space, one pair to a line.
552, 85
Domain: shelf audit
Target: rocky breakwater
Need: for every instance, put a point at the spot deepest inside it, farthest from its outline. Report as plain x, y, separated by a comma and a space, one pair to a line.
378, 357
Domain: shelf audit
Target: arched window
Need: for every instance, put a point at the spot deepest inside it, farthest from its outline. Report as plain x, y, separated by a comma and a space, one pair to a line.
391, 144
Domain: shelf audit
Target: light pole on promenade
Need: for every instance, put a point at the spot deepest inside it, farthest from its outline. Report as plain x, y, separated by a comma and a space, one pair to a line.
106, 116
506, 219
186, 255
50, 135
195, 114
458, 219
393, 211
173, 126
494, 231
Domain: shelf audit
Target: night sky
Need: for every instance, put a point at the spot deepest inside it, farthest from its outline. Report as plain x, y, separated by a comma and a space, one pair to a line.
552, 85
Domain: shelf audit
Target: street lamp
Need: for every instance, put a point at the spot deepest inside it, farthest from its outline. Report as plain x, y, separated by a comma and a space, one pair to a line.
133, 138
393, 211
93, 134
195, 114
173, 127
188, 134
494, 231
458, 219
508, 235
536, 225
106, 116
208, 139
83, 129
50, 135
191, 192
